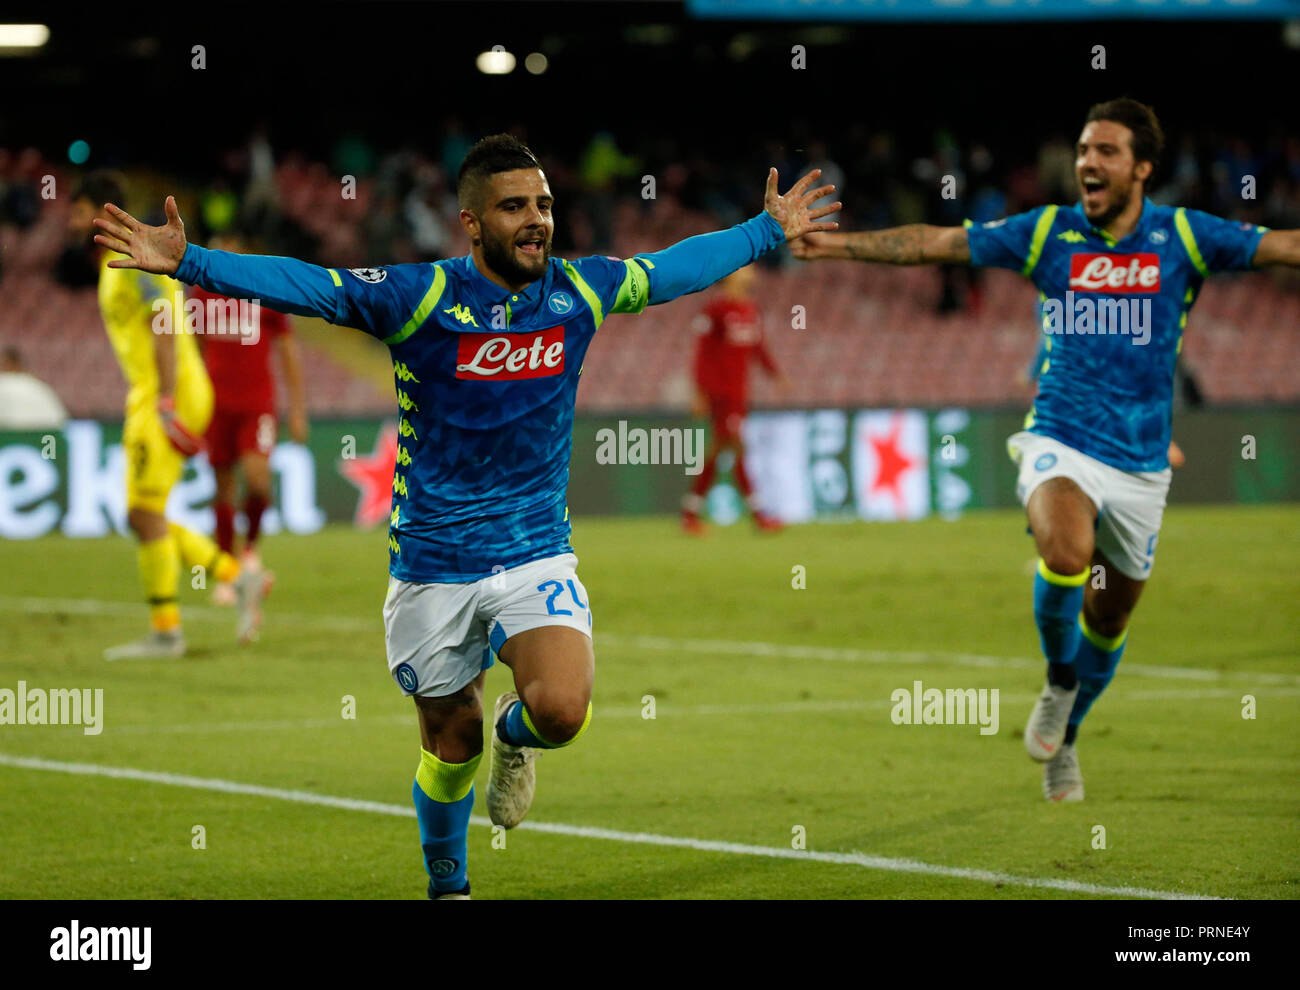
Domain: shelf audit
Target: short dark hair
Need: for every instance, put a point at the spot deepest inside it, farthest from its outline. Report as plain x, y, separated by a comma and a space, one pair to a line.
102, 186
498, 153
1148, 139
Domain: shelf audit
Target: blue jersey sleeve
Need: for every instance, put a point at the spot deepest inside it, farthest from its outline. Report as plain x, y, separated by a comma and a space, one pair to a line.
1006, 243
698, 262
390, 301
1218, 245
379, 301
618, 286
687, 266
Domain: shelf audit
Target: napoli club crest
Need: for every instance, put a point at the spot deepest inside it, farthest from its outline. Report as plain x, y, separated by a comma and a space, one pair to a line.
560, 302
405, 675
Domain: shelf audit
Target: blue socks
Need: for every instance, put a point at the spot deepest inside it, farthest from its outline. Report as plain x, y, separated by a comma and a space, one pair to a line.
444, 796
1095, 662
517, 729
1058, 600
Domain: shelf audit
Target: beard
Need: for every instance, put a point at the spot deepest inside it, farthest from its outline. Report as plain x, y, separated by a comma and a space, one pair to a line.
499, 255
1118, 202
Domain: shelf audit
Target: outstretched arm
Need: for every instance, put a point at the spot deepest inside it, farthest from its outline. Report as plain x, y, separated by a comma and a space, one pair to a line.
913, 244
697, 262
285, 284
1278, 247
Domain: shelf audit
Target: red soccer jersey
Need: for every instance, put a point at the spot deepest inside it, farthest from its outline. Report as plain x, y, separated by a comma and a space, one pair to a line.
240, 370
734, 334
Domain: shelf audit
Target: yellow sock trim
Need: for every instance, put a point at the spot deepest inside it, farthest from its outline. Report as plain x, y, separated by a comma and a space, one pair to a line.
165, 618
1108, 643
576, 736
445, 782
1063, 580
226, 569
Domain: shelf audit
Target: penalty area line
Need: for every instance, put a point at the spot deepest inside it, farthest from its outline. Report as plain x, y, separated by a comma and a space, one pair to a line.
884, 863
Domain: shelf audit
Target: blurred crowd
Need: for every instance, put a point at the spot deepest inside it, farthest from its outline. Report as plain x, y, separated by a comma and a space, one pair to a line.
410, 211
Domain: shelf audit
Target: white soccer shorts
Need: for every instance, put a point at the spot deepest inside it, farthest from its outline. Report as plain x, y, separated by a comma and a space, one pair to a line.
441, 636
1130, 505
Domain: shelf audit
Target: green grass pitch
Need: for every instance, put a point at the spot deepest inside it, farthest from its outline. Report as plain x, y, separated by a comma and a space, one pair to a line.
772, 722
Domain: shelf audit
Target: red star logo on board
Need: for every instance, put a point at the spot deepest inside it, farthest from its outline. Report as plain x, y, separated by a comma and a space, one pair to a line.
891, 463
373, 476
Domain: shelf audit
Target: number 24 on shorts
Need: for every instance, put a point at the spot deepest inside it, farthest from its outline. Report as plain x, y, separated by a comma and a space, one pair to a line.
559, 590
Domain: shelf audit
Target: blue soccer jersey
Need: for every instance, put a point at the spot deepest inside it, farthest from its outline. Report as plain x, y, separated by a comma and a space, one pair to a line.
486, 382
486, 379
1113, 314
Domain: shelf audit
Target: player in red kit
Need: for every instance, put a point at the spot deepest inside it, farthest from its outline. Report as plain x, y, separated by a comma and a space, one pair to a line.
731, 336
244, 425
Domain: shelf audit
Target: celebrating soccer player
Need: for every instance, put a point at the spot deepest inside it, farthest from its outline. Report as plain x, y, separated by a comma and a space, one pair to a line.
244, 426
487, 350
168, 406
731, 336
1116, 276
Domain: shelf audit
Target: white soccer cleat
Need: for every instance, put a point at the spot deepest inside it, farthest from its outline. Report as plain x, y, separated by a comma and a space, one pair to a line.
1062, 779
1046, 729
512, 777
224, 595
251, 586
156, 646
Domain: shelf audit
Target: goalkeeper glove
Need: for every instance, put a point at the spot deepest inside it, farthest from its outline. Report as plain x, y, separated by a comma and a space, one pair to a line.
177, 435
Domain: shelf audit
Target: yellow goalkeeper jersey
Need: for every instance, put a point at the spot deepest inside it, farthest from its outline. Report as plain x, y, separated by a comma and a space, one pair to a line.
126, 303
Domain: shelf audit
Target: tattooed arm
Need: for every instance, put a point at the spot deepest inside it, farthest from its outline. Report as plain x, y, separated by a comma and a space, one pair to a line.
914, 244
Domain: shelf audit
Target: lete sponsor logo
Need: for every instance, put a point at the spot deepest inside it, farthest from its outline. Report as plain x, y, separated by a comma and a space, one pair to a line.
510, 356
1115, 272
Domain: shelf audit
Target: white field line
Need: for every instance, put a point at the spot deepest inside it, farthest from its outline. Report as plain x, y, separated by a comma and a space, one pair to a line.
885, 863
663, 644
633, 711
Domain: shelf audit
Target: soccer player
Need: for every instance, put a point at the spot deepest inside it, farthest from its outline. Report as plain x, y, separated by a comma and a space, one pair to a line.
244, 425
1116, 276
168, 405
487, 350
732, 337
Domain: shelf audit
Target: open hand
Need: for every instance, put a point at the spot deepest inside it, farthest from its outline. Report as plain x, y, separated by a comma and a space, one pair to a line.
150, 249
794, 211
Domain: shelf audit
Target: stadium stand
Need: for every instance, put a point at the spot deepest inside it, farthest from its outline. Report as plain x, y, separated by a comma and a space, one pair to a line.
873, 336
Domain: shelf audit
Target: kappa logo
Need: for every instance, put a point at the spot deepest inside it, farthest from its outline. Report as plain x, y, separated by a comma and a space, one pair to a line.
1072, 237
371, 275
463, 314
1158, 236
560, 302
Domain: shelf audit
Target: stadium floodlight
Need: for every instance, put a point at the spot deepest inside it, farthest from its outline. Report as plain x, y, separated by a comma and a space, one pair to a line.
497, 62
23, 36
536, 63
